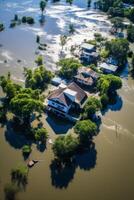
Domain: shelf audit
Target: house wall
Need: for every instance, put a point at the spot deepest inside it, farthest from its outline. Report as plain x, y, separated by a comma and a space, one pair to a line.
58, 106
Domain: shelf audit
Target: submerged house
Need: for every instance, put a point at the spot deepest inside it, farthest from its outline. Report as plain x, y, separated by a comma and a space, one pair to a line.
88, 53
86, 76
108, 68
62, 100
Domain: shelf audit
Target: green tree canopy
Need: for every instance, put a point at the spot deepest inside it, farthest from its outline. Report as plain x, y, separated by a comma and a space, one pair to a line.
69, 67
118, 49
91, 107
25, 103
41, 134
64, 147
38, 78
8, 87
85, 129
108, 84
43, 5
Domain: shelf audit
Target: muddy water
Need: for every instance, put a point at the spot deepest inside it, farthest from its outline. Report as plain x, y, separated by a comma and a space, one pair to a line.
107, 172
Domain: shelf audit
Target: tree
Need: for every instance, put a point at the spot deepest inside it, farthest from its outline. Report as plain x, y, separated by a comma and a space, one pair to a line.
130, 33
88, 3
43, 5
8, 87
117, 23
108, 84
41, 135
20, 174
91, 107
25, 103
118, 49
64, 147
69, 67
69, 1
85, 129
38, 78
26, 150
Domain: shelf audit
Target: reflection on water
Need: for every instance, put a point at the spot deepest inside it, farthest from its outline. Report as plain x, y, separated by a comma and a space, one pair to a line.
106, 171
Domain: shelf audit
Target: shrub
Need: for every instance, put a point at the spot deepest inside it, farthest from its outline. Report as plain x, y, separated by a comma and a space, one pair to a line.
39, 60
41, 135
26, 149
30, 20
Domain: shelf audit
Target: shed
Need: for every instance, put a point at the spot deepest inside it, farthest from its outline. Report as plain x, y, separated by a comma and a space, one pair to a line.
56, 81
108, 68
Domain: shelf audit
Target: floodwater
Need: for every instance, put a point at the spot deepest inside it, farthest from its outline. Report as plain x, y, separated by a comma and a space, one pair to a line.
107, 171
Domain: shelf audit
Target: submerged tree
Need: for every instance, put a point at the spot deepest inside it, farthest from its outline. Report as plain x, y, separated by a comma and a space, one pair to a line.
91, 107
43, 5
108, 84
10, 191
38, 78
25, 103
85, 129
69, 67
64, 147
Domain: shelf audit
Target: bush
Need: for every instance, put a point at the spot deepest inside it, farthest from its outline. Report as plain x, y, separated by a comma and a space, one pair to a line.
26, 149
98, 37
39, 60
30, 20
93, 42
104, 53
41, 134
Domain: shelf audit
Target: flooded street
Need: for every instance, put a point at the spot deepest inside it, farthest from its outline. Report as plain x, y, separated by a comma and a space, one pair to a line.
107, 172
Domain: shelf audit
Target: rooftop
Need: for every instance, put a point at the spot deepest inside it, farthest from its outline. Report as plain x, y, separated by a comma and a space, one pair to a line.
86, 79
72, 89
88, 71
87, 46
110, 67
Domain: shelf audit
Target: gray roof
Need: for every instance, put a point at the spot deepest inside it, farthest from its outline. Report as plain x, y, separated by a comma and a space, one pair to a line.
87, 46
109, 67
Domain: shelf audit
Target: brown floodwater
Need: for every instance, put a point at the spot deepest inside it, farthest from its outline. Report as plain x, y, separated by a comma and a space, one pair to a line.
107, 171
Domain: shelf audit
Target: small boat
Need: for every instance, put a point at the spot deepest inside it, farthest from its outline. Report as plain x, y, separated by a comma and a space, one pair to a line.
31, 163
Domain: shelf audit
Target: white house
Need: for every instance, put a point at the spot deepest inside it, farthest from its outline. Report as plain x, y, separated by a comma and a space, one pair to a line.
61, 100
